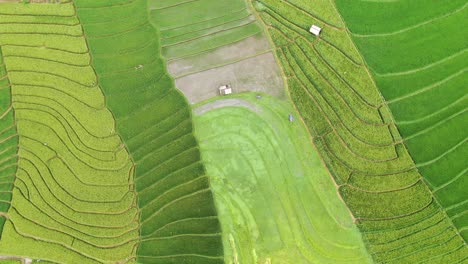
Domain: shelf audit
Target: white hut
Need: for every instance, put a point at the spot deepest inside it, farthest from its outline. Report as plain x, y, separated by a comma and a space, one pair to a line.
315, 30
225, 89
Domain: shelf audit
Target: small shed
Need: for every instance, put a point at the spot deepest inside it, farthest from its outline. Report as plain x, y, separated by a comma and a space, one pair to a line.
225, 89
315, 30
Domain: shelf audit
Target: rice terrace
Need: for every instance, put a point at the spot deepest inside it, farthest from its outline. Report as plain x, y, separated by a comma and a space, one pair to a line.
233, 131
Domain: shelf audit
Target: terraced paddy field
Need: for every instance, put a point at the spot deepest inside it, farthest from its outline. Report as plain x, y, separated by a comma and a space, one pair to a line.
178, 218
330, 84
209, 43
73, 192
416, 51
276, 200
100, 163
108, 169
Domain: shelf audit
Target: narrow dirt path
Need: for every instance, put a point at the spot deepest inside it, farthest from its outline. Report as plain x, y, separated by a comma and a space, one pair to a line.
225, 103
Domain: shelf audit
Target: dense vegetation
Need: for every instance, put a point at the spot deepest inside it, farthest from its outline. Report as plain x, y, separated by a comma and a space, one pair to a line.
416, 51
353, 128
275, 198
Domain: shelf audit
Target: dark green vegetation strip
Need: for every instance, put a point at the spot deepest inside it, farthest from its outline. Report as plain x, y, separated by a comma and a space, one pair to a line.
178, 222
8, 144
355, 133
417, 53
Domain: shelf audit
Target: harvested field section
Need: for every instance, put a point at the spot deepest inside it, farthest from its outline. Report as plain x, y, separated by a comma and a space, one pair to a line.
73, 199
178, 219
259, 74
275, 198
250, 47
210, 43
419, 64
356, 135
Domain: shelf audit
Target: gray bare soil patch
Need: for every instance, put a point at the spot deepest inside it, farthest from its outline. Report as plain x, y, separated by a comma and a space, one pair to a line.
228, 54
257, 74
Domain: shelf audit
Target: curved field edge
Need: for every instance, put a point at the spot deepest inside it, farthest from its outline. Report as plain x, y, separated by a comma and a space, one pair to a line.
275, 199
427, 94
178, 217
357, 137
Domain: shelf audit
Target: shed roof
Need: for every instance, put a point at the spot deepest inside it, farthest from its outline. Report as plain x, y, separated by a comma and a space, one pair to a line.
315, 30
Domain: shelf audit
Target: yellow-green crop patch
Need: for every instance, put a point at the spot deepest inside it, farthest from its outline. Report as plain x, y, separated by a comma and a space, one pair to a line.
73, 199
355, 133
416, 51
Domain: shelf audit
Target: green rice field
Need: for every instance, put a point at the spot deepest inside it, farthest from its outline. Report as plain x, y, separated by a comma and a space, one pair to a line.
419, 64
353, 128
225, 132
86, 152
175, 203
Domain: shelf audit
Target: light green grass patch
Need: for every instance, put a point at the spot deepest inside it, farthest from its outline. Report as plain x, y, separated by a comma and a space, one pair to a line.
275, 198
